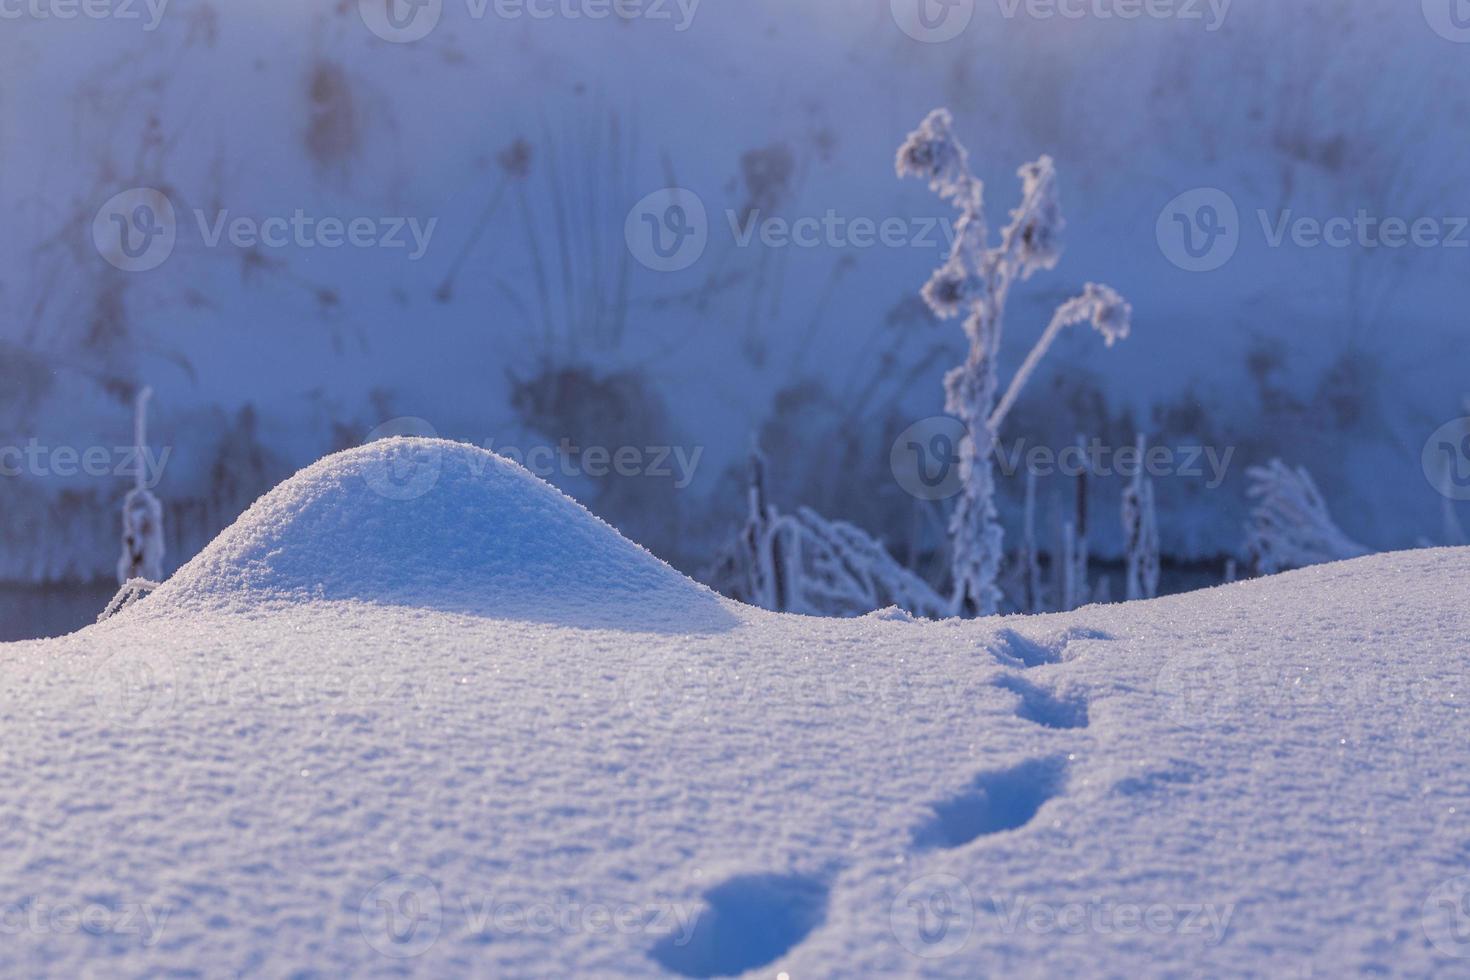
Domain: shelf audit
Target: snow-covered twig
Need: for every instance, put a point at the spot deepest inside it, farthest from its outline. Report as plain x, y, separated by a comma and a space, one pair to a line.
1290, 525
131, 591
142, 530
1141, 534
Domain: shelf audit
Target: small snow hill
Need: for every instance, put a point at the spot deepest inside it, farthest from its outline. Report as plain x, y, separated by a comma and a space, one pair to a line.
437, 525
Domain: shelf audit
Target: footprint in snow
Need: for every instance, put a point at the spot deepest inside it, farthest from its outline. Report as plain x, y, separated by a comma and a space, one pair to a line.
1043, 707
750, 921
1005, 799
1015, 650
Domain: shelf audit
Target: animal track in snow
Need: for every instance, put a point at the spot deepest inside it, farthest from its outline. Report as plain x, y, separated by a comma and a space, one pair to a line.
1042, 707
1015, 650
751, 920
1002, 800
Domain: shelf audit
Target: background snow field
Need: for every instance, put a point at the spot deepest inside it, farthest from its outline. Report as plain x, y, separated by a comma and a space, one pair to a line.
530, 144
478, 732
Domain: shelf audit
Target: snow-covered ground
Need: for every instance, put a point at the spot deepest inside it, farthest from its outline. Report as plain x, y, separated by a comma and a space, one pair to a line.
417, 712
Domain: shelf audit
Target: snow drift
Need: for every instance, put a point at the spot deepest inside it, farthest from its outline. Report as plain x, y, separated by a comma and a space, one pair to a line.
437, 525
398, 720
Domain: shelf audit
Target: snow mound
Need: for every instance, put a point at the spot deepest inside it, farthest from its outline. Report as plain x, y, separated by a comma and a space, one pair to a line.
439, 525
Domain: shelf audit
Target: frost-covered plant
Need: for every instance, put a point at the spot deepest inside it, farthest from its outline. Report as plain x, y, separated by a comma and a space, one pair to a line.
836, 569
142, 528
1290, 526
804, 563
1068, 587
131, 592
975, 280
1032, 599
1140, 534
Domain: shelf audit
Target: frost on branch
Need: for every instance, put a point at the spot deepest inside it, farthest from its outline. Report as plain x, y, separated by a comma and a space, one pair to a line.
1034, 237
1290, 526
804, 563
932, 153
142, 533
1140, 535
131, 591
975, 280
837, 569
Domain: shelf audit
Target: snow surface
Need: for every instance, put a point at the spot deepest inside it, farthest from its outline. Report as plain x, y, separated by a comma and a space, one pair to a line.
434, 734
